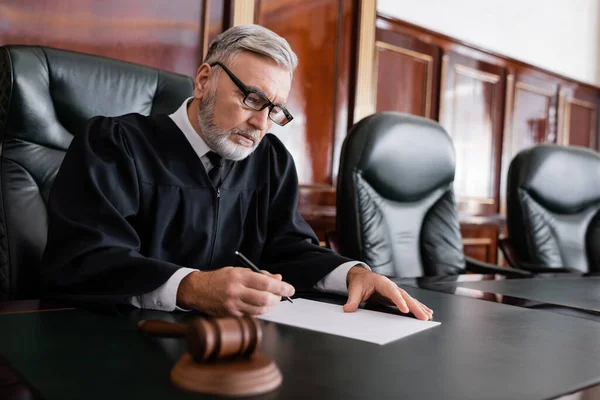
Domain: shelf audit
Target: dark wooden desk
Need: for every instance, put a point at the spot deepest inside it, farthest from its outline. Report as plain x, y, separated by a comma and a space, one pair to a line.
577, 292
482, 350
574, 295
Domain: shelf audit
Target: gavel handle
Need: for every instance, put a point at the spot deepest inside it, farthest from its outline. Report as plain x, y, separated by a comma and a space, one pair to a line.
159, 328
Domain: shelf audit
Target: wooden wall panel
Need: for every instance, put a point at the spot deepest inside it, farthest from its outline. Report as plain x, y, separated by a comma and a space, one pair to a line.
150, 32
534, 109
530, 115
406, 74
581, 132
312, 97
472, 100
580, 117
217, 18
533, 112
480, 239
320, 33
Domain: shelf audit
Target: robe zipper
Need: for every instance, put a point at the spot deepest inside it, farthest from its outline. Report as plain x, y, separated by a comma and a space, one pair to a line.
215, 226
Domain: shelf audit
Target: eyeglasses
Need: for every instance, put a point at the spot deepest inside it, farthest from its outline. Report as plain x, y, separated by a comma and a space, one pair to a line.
258, 101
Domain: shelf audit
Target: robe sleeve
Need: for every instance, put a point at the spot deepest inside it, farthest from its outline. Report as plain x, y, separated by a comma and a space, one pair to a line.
292, 247
93, 251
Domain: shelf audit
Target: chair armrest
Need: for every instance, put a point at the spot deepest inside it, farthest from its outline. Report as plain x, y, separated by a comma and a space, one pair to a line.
479, 267
542, 269
509, 252
513, 260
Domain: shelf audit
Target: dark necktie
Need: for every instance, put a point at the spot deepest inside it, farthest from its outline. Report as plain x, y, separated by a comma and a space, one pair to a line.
215, 173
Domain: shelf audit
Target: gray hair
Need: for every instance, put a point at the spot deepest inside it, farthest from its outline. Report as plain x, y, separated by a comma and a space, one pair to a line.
255, 39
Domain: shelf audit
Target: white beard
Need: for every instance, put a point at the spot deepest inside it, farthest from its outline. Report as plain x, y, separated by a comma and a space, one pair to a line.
218, 139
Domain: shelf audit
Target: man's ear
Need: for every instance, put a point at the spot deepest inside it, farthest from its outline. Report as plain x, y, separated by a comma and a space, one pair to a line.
201, 81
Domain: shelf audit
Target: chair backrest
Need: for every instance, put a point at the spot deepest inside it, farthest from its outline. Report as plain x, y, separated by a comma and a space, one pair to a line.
553, 199
46, 97
396, 209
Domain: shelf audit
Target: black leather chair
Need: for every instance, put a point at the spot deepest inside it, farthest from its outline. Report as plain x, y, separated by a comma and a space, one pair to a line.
553, 204
46, 97
396, 209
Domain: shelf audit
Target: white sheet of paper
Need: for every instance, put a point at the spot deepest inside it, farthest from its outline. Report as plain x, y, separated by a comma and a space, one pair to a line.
366, 325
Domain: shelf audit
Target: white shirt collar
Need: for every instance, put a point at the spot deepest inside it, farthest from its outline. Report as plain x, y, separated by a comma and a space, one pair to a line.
181, 119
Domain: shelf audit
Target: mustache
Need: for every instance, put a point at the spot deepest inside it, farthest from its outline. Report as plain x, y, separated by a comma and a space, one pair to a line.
247, 133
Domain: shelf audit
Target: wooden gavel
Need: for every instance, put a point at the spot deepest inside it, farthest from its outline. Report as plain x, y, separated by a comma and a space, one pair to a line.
223, 356
211, 339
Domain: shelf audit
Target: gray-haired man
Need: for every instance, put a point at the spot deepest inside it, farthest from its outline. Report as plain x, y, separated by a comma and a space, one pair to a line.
149, 211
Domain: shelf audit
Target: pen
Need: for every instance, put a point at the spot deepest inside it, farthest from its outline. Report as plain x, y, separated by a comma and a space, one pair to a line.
254, 268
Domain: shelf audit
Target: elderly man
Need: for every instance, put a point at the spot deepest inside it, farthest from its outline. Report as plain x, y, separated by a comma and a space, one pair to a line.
149, 211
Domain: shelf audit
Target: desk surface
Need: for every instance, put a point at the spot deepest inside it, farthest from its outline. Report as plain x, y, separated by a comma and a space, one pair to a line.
562, 293
482, 350
583, 293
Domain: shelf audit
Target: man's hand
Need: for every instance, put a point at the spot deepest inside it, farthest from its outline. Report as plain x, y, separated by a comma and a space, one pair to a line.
232, 291
363, 283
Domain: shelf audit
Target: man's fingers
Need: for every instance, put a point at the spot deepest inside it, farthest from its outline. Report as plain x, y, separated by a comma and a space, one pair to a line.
259, 298
429, 310
268, 283
424, 309
276, 276
389, 291
430, 314
355, 295
249, 309
414, 306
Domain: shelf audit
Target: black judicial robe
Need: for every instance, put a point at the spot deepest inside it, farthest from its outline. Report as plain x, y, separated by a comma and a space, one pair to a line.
132, 203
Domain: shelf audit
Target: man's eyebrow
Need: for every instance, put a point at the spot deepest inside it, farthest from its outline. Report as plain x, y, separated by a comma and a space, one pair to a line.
257, 90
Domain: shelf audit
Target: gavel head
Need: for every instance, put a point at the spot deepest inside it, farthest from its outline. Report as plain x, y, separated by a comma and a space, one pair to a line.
211, 339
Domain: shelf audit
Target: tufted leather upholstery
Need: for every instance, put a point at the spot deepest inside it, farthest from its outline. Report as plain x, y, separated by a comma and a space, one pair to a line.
46, 97
553, 204
395, 201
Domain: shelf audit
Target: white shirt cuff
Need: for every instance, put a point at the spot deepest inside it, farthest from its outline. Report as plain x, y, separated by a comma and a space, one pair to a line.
164, 298
335, 281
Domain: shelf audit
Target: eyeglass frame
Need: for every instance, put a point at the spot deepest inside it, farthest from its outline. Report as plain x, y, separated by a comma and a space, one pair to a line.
247, 92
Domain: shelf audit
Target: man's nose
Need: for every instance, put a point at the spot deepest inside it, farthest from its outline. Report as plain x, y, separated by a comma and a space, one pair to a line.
260, 119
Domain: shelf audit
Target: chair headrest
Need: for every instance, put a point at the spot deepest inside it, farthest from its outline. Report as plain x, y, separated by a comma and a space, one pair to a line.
403, 157
56, 91
563, 179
